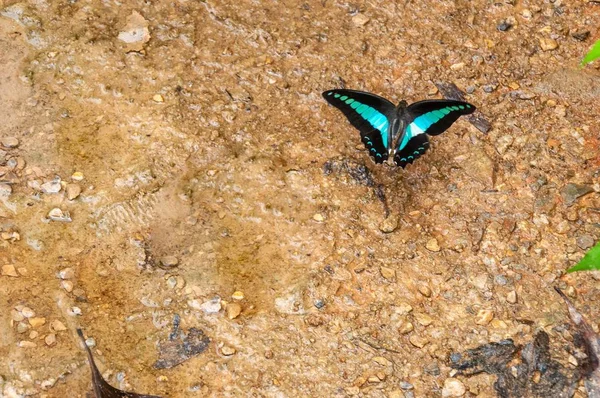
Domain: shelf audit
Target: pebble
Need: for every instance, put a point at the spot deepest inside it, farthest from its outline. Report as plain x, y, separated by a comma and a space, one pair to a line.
53, 186
210, 307
424, 290
388, 273
27, 312
453, 388
67, 273
73, 191
423, 319
77, 176
389, 225
382, 361
158, 98
403, 308
227, 351
571, 192
10, 142
22, 327
57, 326
169, 261
585, 242
50, 339
58, 215
418, 341
511, 297
67, 285
318, 217
90, 342
548, 44
9, 270
504, 26
484, 317
27, 344
360, 19
35, 322
5, 190
233, 310
433, 245
237, 295
74, 311
405, 328
16, 315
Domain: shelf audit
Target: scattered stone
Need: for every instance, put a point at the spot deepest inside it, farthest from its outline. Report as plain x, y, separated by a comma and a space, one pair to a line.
209, 307
511, 297
73, 191
58, 215
67, 285
16, 316
433, 245
548, 44
77, 176
418, 341
51, 187
403, 309
35, 322
27, 344
50, 339
227, 351
318, 217
10, 142
388, 273
390, 224
67, 273
90, 342
484, 317
503, 143
22, 327
453, 388
169, 261
74, 311
9, 270
135, 33
57, 326
585, 242
180, 346
424, 290
423, 319
5, 190
504, 26
360, 19
233, 310
405, 328
158, 98
237, 295
27, 312
581, 35
571, 192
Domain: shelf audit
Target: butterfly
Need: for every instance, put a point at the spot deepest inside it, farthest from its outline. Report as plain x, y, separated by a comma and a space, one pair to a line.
399, 131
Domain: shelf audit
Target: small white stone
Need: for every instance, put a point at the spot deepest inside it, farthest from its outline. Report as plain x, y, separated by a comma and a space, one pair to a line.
58, 215
10, 142
360, 20
453, 388
5, 190
53, 186
27, 312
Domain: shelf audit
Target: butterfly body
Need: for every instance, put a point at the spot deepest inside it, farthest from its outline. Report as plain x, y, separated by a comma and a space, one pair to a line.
399, 130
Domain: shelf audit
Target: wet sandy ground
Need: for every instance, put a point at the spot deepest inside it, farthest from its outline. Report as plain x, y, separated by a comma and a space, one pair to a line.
211, 143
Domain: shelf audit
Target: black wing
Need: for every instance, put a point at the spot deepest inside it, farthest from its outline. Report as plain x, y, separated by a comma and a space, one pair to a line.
370, 114
430, 117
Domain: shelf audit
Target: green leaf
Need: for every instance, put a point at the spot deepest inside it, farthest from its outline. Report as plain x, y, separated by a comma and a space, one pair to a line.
591, 261
592, 55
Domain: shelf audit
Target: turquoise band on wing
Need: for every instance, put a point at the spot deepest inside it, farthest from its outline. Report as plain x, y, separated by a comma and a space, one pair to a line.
375, 118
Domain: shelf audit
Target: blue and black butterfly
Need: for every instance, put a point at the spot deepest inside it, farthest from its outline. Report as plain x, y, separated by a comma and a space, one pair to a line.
399, 131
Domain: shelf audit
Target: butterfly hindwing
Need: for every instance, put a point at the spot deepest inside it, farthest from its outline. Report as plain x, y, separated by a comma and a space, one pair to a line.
429, 117
370, 114
413, 149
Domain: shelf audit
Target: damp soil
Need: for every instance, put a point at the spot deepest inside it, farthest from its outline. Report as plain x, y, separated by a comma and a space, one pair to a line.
197, 159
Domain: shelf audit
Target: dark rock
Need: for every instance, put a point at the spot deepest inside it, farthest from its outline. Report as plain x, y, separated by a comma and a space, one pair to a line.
585, 242
581, 35
571, 192
181, 346
504, 26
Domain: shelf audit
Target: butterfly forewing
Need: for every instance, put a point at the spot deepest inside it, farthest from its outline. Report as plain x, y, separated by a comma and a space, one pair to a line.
370, 114
430, 117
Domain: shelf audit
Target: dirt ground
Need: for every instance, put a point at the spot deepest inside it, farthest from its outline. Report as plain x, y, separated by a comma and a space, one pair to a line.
188, 144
